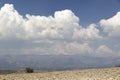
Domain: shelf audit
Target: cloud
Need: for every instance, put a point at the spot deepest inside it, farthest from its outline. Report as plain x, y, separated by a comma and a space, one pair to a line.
10, 22
61, 48
103, 49
112, 25
91, 32
77, 48
60, 33
63, 25
60, 26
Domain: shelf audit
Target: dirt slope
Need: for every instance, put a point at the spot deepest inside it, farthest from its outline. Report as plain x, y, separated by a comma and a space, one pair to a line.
91, 74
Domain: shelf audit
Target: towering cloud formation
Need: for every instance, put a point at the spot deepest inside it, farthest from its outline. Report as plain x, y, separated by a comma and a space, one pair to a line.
63, 25
11, 22
57, 34
112, 25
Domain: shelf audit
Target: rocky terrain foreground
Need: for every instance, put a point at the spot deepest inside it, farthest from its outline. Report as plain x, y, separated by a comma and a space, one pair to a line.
90, 74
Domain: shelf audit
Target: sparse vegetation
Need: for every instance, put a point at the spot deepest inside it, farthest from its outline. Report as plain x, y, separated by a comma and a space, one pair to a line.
117, 65
29, 70
90, 74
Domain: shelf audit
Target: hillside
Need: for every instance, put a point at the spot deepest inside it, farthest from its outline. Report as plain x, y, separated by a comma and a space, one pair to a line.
56, 62
91, 74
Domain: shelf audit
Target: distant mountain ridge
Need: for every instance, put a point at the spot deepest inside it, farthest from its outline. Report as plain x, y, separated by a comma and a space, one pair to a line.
55, 62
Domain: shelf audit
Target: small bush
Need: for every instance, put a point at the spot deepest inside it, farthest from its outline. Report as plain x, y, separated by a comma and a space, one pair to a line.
29, 70
117, 65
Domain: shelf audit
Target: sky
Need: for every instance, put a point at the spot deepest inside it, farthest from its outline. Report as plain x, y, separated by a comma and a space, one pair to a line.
88, 11
68, 27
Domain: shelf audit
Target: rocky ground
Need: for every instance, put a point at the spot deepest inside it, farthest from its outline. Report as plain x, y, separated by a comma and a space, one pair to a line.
91, 74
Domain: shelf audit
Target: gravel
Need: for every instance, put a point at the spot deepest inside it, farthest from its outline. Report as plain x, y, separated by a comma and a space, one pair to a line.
90, 74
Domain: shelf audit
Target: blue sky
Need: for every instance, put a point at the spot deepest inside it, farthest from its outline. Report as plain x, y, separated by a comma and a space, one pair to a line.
85, 27
88, 11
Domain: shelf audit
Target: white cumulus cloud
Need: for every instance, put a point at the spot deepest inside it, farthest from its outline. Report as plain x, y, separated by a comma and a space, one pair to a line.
112, 25
10, 22
63, 25
103, 50
61, 48
91, 32
60, 33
